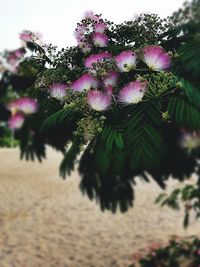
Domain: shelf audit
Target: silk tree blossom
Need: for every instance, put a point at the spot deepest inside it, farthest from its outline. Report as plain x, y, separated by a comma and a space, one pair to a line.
25, 36
27, 105
90, 15
14, 56
126, 61
79, 33
24, 105
85, 82
133, 92
95, 58
13, 106
98, 101
16, 121
28, 36
100, 27
111, 79
100, 39
85, 47
190, 140
58, 90
156, 58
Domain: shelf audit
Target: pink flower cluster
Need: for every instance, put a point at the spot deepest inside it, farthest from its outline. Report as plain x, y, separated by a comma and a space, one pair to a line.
100, 91
153, 56
91, 32
19, 108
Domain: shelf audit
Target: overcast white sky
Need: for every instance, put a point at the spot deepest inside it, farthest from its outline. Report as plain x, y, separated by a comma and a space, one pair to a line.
56, 19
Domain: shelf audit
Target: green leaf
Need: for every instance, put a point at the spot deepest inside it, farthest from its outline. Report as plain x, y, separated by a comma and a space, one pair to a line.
189, 55
56, 118
68, 163
144, 137
119, 140
184, 113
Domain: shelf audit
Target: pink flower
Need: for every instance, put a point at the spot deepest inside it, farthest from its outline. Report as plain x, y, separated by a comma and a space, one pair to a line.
13, 106
27, 105
19, 53
85, 82
100, 27
26, 36
98, 100
79, 32
15, 55
85, 47
190, 140
89, 61
58, 90
90, 15
126, 61
16, 121
111, 79
133, 92
100, 39
156, 58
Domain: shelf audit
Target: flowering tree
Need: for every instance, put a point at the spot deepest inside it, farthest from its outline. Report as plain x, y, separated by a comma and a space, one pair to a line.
125, 100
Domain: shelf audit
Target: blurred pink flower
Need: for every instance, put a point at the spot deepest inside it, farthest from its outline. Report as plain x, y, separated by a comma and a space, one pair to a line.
13, 106
100, 27
16, 121
27, 105
90, 15
79, 32
28, 36
190, 140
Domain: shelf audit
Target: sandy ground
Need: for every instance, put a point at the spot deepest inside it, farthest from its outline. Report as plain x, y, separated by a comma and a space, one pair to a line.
46, 222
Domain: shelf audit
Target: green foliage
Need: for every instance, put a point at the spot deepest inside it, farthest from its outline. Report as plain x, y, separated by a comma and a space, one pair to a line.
189, 196
68, 163
184, 113
144, 136
104, 172
192, 93
57, 118
189, 55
